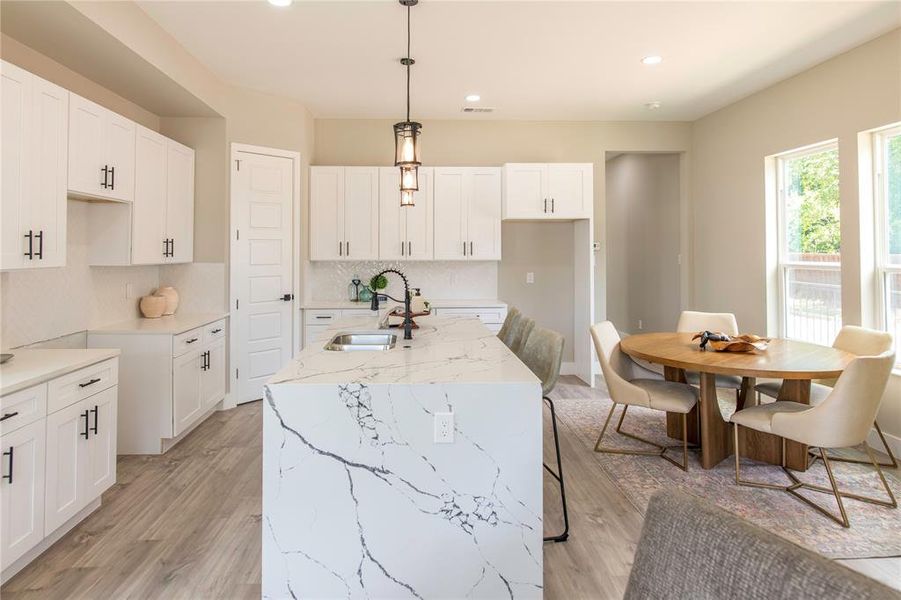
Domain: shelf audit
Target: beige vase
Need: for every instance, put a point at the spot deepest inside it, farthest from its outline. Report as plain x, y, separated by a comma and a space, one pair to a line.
171, 296
152, 307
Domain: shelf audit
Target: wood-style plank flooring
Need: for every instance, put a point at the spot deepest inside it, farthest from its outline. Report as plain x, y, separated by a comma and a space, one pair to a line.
187, 525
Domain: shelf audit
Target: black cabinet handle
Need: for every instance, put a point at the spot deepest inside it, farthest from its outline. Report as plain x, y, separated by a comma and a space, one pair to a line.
552, 205
217, 330
323, 316
191, 341
347, 244
402, 248
171, 247
409, 248
470, 249
87, 383
8, 415
86, 416
166, 247
545, 205
464, 248
112, 172
9, 453
340, 248
40, 252
30, 236
105, 171
95, 411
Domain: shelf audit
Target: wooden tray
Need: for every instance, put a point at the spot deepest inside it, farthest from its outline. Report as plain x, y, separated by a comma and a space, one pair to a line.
747, 342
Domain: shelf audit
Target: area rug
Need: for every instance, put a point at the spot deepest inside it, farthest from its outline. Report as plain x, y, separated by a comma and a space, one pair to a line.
875, 531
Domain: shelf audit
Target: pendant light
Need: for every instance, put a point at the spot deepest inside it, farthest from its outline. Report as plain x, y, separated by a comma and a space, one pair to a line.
406, 133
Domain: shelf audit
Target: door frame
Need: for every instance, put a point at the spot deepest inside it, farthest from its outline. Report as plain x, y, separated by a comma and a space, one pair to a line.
296, 230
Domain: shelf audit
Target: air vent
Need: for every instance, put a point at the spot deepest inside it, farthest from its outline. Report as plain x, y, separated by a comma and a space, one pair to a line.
477, 109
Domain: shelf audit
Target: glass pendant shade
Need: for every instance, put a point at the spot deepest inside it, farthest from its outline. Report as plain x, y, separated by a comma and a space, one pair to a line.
406, 144
406, 198
409, 179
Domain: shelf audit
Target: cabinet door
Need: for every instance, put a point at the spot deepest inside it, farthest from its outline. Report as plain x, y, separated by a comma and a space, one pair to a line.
180, 201
49, 133
326, 213
525, 193
392, 217
186, 400
419, 219
484, 214
120, 156
212, 379
87, 147
14, 219
570, 190
67, 464
361, 213
449, 205
149, 208
101, 443
22, 491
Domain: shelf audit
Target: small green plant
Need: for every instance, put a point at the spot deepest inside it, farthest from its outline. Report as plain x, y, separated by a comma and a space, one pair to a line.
379, 282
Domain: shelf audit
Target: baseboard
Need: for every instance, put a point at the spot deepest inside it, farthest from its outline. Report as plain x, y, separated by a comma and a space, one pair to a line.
893, 441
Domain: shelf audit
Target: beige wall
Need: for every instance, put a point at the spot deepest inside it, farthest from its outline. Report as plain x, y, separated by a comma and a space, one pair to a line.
643, 241
853, 92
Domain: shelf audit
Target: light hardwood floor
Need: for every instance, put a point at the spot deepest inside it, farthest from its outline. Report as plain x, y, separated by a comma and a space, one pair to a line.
187, 525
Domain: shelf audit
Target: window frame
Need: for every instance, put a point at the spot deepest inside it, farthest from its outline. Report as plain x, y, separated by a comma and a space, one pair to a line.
884, 268
784, 266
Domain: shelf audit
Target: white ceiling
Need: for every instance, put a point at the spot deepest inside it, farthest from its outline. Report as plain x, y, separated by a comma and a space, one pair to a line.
530, 60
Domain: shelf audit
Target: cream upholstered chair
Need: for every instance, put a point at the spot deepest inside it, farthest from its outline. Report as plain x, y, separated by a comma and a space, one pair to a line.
691, 321
841, 420
542, 352
631, 385
520, 333
856, 340
506, 332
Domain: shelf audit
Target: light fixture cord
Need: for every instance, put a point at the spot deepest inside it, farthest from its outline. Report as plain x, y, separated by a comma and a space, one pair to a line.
408, 64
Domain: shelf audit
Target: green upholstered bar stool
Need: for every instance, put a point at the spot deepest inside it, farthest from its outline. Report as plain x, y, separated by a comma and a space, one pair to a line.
543, 353
521, 330
506, 332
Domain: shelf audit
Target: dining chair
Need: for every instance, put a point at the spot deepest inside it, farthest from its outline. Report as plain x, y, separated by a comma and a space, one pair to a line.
841, 420
856, 340
521, 331
543, 353
649, 392
691, 321
504, 334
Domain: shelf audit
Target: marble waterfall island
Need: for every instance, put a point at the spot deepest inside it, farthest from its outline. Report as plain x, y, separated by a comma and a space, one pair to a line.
359, 501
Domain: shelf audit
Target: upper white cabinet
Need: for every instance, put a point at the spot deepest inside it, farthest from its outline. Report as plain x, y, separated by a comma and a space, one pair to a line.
33, 137
101, 152
405, 232
344, 213
548, 191
179, 202
467, 205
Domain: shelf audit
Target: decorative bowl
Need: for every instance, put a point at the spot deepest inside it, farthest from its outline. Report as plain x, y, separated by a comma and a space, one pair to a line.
153, 307
722, 342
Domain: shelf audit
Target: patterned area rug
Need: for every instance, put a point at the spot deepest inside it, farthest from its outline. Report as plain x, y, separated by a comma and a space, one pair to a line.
875, 530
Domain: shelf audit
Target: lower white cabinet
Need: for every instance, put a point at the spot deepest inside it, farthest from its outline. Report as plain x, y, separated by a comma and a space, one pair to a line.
22, 491
186, 401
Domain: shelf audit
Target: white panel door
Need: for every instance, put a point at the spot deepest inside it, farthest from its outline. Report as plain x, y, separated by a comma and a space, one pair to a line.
22, 491
526, 191
484, 212
449, 205
570, 190
419, 219
263, 197
361, 213
148, 245
101, 442
326, 213
212, 379
186, 403
180, 202
14, 218
120, 157
67, 464
87, 147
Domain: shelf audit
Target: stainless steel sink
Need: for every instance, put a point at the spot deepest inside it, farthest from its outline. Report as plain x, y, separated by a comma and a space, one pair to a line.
349, 342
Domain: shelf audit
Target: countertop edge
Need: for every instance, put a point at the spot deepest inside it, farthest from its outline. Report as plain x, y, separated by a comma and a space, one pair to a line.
98, 355
180, 324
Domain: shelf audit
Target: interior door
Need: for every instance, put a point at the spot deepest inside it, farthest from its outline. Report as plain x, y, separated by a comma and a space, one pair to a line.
527, 191
149, 209
326, 213
101, 442
449, 205
263, 199
186, 403
67, 463
567, 190
14, 105
484, 210
21, 491
87, 151
120, 156
180, 201
361, 213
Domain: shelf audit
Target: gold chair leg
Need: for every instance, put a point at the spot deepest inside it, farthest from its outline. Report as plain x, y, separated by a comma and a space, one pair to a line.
661, 450
892, 464
744, 482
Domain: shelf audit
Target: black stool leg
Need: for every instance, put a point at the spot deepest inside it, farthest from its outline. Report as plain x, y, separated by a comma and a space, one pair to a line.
559, 477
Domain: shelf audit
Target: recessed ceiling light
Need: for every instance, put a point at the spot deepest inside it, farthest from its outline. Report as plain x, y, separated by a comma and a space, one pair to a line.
653, 105
650, 60
473, 98
280, 3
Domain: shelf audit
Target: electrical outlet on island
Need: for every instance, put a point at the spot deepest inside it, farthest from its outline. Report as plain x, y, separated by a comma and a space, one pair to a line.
444, 428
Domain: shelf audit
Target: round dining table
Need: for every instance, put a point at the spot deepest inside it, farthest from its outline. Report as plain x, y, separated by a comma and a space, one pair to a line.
795, 363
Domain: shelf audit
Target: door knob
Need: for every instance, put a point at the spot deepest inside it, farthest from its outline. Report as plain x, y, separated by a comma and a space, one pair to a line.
288, 297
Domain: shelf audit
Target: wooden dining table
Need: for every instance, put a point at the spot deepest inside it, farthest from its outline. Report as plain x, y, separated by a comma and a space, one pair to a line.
795, 363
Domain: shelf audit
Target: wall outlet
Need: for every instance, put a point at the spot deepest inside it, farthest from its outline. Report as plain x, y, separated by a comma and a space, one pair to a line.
444, 428
530, 277
639, 324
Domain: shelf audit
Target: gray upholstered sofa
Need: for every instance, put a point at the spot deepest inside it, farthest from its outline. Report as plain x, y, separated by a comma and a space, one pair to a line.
690, 548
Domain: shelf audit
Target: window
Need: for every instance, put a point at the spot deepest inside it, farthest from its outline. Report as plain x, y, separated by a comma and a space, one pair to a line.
809, 244
887, 188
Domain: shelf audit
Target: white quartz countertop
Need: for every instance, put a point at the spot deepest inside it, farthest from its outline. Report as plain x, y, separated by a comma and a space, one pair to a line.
436, 303
173, 324
33, 367
443, 350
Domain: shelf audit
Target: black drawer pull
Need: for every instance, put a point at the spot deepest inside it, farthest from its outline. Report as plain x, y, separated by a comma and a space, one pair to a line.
217, 330
86, 415
8, 415
30, 236
87, 383
95, 411
105, 171
40, 252
323, 316
191, 341
9, 453
112, 172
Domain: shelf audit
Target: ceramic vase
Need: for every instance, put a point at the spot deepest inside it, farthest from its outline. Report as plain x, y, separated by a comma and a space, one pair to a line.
171, 296
153, 307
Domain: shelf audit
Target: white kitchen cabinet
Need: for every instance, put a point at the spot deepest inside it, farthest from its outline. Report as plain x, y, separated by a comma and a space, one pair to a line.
22, 491
101, 152
101, 444
344, 213
186, 400
548, 191
34, 134
405, 232
212, 376
149, 244
467, 213
179, 202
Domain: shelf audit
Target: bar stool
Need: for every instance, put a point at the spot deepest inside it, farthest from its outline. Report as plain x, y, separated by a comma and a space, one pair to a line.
520, 333
542, 353
506, 332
